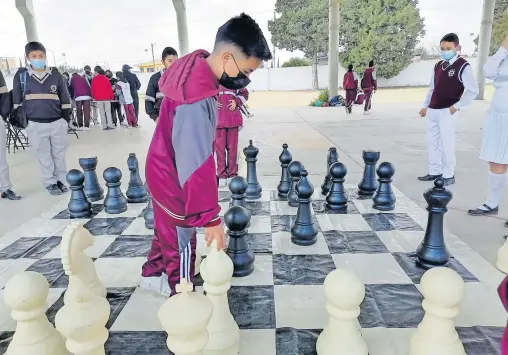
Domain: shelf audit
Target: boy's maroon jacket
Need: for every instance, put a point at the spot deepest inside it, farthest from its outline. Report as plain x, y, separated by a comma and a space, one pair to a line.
227, 118
180, 167
503, 294
368, 81
101, 89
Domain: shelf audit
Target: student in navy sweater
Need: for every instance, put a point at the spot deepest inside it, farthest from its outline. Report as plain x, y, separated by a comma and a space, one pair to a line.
452, 87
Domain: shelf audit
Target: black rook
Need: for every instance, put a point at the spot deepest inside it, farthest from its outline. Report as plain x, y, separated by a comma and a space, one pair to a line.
369, 184
253, 188
79, 205
304, 230
237, 219
432, 252
285, 159
93, 190
332, 157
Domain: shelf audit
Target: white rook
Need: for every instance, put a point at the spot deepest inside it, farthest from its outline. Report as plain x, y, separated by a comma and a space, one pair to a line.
217, 271
341, 336
443, 290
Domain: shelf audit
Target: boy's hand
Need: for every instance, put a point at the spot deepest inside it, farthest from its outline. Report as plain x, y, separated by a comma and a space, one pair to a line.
453, 110
216, 233
232, 105
219, 105
423, 112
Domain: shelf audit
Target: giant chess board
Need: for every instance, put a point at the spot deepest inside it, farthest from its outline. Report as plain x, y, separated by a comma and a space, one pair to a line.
280, 308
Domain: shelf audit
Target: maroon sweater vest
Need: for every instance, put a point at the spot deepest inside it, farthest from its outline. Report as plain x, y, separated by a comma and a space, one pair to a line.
448, 86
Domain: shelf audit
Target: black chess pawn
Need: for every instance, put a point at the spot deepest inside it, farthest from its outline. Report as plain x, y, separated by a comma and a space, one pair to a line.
238, 187
294, 169
337, 198
79, 205
236, 220
254, 188
115, 201
432, 251
304, 230
384, 198
136, 192
93, 189
148, 213
332, 157
285, 159
369, 184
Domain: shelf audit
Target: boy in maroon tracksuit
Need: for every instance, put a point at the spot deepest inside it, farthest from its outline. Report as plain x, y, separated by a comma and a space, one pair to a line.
226, 138
350, 84
369, 84
180, 166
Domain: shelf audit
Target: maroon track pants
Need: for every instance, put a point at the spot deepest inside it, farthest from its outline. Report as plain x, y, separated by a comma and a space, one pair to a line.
167, 254
368, 99
351, 97
226, 151
83, 113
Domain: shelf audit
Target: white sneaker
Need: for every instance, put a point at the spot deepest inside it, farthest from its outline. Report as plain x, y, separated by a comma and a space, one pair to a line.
124, 124
85, 129
223, 183
165, 289
153, 283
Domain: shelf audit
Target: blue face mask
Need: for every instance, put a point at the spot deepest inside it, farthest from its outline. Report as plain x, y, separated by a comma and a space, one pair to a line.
447, 55
38, 64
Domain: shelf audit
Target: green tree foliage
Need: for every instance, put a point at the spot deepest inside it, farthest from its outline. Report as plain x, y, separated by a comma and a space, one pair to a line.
499, 32
500, 10
386, 31
297, 62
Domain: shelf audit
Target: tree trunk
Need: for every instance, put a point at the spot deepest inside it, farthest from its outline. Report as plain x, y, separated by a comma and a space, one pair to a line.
315, 82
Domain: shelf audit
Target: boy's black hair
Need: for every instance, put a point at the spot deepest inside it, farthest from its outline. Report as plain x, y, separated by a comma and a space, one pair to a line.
243, 32
97, 68
100, 71
34, 46
118, 74
350, 67
87, 67
371, 64
450, 37
108, 71
66, 74
169, 51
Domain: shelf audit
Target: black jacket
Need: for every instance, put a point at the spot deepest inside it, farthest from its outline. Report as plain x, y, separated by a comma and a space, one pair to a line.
5, 98
153, 98
133, 81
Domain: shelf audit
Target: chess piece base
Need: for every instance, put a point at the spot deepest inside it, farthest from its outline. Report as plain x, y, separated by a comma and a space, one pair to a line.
243, 263
234, 350
384, 208
83, 214
94, 195
329, 344
366, 193
114, 211
429, 256
337, 208
303, 242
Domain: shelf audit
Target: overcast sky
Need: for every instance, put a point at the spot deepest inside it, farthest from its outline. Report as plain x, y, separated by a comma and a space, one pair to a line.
105, 32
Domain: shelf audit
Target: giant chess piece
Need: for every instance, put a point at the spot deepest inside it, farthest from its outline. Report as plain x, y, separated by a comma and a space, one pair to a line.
254, 188
185, 317
443, 291
285, 159
337, 198
304, 230
93, 189
136, 193
224, 334
77, 264
332, 157
432, 251
237, 220
344, 293
115, 201
82, 321
26, 294
238, 187
369, 184
502, 258
295, 170
79, 205
384, 199
148, 214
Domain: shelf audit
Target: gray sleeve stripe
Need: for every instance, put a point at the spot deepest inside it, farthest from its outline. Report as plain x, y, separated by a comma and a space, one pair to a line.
193, 135
149, 98
3, 89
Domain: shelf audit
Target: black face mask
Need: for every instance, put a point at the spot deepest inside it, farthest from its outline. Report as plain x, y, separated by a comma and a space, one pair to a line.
234, 83
88, 72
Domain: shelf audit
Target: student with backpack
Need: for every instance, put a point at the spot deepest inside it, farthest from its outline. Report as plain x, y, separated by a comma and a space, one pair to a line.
369, 85
350, 84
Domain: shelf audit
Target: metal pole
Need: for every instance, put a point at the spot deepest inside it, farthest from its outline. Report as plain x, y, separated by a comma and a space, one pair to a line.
484, 43
26, 9
333, 49
153, 58
181, 19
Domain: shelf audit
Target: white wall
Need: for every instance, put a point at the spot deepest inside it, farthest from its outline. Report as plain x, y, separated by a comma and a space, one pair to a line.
300, 78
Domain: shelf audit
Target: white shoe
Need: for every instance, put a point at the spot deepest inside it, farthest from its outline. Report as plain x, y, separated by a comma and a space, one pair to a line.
366, 112
165, 289
153, 283
124, 124
223, 183
85, 129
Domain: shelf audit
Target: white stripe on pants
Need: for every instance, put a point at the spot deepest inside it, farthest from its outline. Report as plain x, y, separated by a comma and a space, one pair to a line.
50, 143
441, 141
104, 108
185, 263
5, 182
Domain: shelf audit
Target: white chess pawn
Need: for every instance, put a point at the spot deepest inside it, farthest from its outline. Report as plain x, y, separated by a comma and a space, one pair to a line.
444, 291
502, 258
26, 294
184, 317
197, 264
76, 263
224, 334
341, 336
82, 321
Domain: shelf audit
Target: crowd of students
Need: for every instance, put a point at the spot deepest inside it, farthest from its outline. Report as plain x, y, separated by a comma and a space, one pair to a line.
354, 86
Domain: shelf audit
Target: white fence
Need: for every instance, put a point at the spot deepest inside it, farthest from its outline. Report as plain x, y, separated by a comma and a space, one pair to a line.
300, 78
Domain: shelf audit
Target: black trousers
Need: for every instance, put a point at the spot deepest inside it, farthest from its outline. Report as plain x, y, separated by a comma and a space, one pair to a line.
116, 112
136, 104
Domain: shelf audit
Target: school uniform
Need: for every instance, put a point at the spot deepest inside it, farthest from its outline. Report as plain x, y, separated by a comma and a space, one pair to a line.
5, 181
369, 84
48, 108
350, 85
123, 91
452, 84
153, 98
102, 93
82, 94
226, 138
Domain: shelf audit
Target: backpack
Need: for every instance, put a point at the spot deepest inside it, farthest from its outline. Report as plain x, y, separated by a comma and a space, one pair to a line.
337, 101
349, 81
18, 117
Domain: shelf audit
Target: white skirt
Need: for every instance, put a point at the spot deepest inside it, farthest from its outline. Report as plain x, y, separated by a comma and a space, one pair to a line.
495, 130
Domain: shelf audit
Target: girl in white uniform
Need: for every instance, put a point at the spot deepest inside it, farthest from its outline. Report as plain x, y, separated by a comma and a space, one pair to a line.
495, 132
